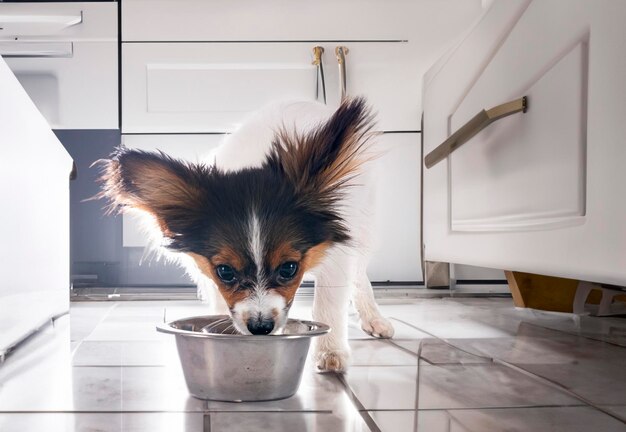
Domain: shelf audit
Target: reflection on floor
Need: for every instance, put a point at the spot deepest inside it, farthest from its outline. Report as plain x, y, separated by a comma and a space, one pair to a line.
454, 365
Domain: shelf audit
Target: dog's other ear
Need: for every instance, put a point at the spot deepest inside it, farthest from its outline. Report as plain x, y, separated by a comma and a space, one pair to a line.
326, 158
167, 188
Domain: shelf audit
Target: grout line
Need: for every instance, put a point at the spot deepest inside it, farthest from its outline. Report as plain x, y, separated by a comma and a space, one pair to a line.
269, 41
417, 386
491, 359
205, 411
365, 415
276, 411
406, 350
476, 408
282, 411
105, 316
117, 366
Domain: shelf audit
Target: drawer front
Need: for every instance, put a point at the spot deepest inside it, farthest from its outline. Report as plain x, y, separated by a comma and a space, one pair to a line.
396, 254
292, 20
535, 192
526, 171
58, 21
211, 87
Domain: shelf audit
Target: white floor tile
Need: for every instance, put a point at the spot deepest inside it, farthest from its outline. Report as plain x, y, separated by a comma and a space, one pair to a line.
350, 421
590, 368
437, 352
450, 386
317, 392
110, 360
376, 352
102, 422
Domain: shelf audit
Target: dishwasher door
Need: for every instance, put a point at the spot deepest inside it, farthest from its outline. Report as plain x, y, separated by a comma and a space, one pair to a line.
34, 191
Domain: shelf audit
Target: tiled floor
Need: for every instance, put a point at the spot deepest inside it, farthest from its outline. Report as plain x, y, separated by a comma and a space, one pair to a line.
454, 365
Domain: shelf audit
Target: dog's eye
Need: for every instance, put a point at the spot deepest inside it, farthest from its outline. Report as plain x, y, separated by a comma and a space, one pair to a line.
225, 273
287, 270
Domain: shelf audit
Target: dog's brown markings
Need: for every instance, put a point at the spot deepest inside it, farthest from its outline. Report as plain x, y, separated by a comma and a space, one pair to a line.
158, 185
328, 157
283, 253
314, 256
245, 316
228, 256
311, 258
230, 295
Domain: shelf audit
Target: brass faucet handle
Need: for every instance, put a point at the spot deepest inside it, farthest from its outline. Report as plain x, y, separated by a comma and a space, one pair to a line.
317, 55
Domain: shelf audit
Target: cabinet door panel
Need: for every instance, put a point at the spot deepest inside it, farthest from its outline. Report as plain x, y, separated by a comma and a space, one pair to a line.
534, 163
397, 255
536, 192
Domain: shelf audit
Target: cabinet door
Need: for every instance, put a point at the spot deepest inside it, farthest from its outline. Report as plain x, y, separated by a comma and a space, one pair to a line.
397, 245
65, 56
537, 192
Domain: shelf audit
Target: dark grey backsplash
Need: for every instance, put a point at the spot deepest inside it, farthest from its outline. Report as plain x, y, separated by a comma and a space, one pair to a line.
97, 255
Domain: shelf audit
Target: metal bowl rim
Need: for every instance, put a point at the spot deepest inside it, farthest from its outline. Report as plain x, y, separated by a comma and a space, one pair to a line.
167, 328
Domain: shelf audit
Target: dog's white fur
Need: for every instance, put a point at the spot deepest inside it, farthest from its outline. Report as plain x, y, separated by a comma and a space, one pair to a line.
342, 273
340, 276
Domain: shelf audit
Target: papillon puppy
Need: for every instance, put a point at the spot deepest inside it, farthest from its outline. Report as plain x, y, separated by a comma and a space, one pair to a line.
288, 193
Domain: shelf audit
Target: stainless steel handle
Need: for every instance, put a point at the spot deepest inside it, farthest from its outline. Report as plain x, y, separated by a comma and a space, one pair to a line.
341, 52
479, 122
317, 61
37, 49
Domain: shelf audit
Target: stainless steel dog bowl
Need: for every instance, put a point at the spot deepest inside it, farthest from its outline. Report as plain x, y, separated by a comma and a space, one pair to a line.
220, 364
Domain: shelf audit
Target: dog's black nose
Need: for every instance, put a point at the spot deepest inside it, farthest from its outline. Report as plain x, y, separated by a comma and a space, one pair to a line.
260, 326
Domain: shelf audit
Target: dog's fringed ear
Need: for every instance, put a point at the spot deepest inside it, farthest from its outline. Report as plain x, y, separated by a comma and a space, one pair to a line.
167, 188
326, 158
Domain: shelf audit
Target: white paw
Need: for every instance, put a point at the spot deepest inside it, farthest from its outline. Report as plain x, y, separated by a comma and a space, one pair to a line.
378, 327
332, 361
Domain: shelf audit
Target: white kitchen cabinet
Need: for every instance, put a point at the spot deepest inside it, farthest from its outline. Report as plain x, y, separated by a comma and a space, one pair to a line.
538, 191
65, 56
194, 67
397, 244
34, 251
296, 20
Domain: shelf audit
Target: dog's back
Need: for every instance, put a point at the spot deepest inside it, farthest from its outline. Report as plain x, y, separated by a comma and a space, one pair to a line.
249, 145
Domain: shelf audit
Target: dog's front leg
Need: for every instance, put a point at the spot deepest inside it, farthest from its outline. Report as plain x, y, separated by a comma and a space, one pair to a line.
334, 280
